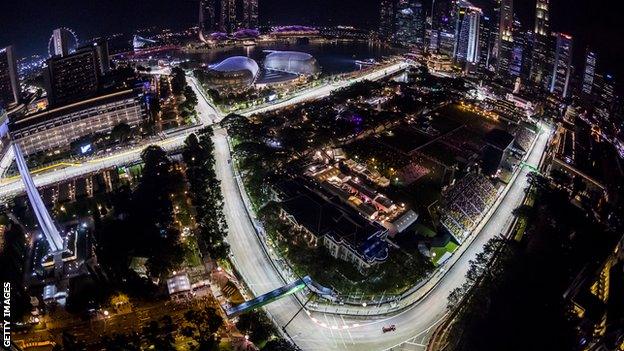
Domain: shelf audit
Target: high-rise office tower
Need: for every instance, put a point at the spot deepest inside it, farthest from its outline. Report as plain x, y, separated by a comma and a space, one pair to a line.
9, 81
387, 19
207, 22
539, 57
410, 23
562, 65
442, 21
506, 21
224, 16
520, 64
487, 36
101, 54
250, 14
591, 59
61, 39
504, 47
73, 77
227, 15
446, 43
442, 12
467, 33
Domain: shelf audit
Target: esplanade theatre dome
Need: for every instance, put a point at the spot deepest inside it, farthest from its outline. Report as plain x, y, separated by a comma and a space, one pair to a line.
291, 62
234, 71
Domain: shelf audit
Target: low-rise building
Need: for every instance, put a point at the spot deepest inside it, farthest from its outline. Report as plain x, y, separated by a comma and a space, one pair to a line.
346, 235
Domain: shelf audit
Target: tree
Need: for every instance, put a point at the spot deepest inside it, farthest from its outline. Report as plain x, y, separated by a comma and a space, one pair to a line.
202, 326
178, 80
280, 345
190, 97
256, 325
121, 132
122, 342
206, 194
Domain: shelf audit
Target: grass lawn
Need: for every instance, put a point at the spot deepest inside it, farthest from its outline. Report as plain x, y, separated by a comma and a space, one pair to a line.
439, 252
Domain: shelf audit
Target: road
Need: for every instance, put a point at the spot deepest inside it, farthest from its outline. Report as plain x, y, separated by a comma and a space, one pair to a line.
207, 115
319, 331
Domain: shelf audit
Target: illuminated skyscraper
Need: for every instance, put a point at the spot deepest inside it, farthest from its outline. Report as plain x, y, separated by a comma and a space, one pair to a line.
467, 33
387, 19
206, 19
226, 16
442, 15
487, 36
591, 59
562, 65
61, 38
250, 14
9, 81
539, 59
442, 21
410, 23
504, 47
506, 21
73, 77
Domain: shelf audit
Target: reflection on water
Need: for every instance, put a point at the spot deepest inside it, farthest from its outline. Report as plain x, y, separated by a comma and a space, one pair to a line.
332, 57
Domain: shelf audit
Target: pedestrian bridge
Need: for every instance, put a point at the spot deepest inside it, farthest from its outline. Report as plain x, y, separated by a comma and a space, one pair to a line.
288, 289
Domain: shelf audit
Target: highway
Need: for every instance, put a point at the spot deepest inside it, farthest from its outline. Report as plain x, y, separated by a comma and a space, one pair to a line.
315, 331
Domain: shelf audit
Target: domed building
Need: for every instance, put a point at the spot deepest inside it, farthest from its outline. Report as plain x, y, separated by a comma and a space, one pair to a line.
233, 72
294, 62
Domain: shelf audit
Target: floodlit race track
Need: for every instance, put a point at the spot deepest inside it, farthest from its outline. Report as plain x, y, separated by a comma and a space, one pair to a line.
324, 331
313, 331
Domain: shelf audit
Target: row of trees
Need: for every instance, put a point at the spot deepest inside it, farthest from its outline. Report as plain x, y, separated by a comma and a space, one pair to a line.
205, 190
142, 221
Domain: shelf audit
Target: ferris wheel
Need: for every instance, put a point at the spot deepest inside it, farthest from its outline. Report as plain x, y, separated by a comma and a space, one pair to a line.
67, 37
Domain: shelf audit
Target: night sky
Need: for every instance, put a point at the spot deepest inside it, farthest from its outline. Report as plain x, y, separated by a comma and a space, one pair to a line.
28, 23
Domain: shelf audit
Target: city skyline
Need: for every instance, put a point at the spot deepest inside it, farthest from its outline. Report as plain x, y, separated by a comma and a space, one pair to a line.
363, 175
594, 29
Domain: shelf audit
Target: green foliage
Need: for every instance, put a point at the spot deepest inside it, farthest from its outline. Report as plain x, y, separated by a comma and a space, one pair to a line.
206, 195
202, 326
142, 223
257, 325
280, 345
178, 81
121, 132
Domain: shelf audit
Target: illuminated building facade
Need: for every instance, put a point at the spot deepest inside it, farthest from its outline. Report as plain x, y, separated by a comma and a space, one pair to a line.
467, 33
442, 21
410, 23
562, 65
226, 16
9, 81
504, 47
487, 36
539, 60
387, 20
55, 129
61, 38
591, 59
206, 19
72, 77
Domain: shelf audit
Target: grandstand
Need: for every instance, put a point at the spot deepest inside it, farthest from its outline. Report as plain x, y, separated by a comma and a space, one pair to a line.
465, 205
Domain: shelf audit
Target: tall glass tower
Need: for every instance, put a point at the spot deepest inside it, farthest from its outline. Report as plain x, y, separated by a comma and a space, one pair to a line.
562, 65
539, 61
